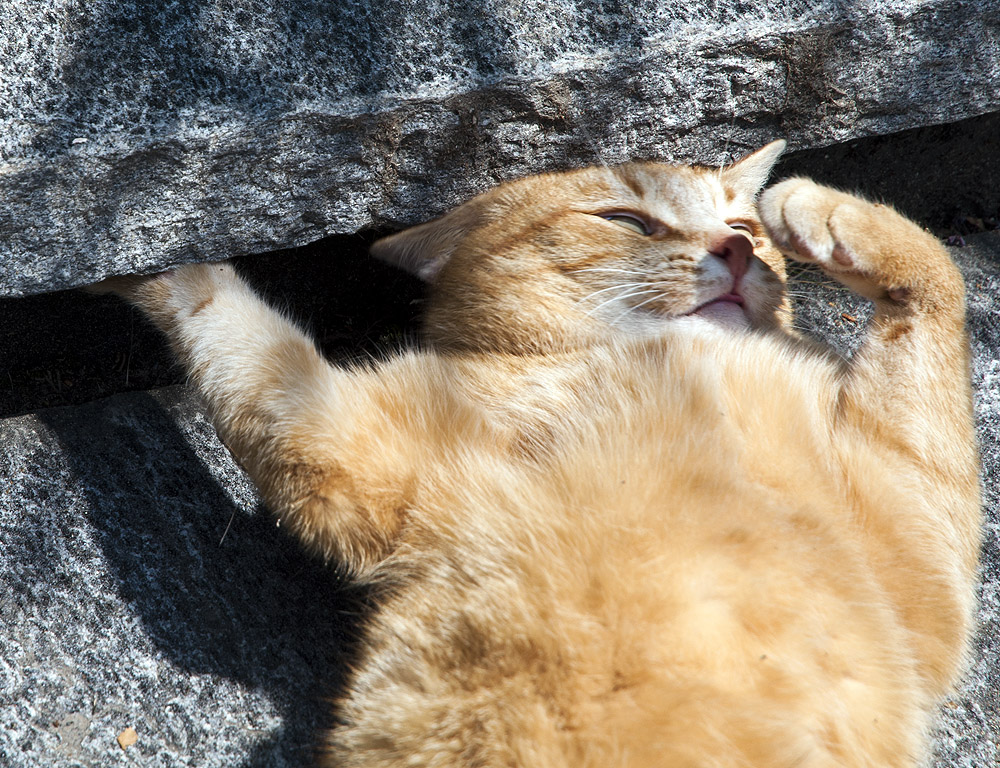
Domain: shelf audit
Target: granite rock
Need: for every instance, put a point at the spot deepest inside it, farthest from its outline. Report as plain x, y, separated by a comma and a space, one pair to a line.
142, 585
137, 134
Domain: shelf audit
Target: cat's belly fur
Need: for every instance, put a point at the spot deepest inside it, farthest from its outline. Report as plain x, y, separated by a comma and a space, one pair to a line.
678, 578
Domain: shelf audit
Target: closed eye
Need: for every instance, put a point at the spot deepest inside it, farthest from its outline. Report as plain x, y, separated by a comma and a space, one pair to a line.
628, 220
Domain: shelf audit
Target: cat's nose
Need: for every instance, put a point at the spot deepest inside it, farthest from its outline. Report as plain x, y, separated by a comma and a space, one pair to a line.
734, 249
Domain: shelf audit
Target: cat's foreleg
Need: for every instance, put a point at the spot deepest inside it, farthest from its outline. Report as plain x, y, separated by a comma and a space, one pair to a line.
908, 384
902, 432
297, 424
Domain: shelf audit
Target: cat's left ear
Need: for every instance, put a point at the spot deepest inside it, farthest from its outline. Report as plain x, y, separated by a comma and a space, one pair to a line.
747, 176
424, 249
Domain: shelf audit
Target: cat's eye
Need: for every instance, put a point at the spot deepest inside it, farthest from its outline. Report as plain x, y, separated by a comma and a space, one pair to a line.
629, 221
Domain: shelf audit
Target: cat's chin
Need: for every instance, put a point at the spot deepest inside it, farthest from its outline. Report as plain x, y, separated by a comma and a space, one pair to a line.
728, 314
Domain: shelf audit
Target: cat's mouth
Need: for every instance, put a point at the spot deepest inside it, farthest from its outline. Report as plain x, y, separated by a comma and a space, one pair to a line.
726, 310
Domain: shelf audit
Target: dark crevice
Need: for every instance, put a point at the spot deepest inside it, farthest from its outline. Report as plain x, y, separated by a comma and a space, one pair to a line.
71, 347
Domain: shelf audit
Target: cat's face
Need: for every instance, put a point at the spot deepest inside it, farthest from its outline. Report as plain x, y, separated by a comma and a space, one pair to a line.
561, 259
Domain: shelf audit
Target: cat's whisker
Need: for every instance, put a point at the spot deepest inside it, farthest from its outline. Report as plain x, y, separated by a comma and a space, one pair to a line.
803, 291
591, 312
630, 310
620, 297
803, 296
806, 274
619, 286
609, 269
822, 283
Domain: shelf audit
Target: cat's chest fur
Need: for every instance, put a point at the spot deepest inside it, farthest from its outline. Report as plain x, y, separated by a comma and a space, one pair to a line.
672, 446
634, 510
734, 394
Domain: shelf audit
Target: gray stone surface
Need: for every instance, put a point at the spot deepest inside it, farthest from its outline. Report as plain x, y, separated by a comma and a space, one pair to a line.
142, 586
136, 134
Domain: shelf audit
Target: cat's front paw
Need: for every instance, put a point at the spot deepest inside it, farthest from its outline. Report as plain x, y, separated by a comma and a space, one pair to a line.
185, 290
801, 216
868, 247
173, 294
124, 286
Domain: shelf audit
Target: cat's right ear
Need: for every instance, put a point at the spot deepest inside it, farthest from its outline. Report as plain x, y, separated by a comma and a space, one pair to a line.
748, 175
423, 250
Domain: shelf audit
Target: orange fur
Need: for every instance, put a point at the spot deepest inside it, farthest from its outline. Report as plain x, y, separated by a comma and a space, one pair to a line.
625, 524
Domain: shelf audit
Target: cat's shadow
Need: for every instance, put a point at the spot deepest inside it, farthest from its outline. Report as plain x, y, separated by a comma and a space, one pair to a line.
249, 607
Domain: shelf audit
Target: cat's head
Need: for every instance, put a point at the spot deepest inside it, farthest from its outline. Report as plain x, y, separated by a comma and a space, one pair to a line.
563, 259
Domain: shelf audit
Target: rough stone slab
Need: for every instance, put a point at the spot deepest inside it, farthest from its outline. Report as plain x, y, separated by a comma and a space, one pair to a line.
139, 587
142, 586
137, 134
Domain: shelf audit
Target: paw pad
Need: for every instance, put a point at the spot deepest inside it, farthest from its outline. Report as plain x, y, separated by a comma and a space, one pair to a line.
842, 256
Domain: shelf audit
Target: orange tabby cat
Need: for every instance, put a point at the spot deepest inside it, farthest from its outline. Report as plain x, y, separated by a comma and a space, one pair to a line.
623, 515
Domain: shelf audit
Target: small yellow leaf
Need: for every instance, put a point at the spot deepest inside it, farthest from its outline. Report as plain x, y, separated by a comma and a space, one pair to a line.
127, 738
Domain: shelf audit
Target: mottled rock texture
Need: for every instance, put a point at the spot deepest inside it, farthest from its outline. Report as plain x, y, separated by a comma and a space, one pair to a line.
136, 134
141, 584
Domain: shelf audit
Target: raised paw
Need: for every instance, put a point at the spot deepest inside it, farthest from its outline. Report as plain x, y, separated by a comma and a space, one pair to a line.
868, 247
119, 285
799, 216
167, 297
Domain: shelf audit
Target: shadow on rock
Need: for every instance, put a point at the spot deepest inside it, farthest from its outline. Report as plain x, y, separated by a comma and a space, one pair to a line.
247, 605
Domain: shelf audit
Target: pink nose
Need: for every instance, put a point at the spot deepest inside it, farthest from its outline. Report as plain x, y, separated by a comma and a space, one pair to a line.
734, 249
